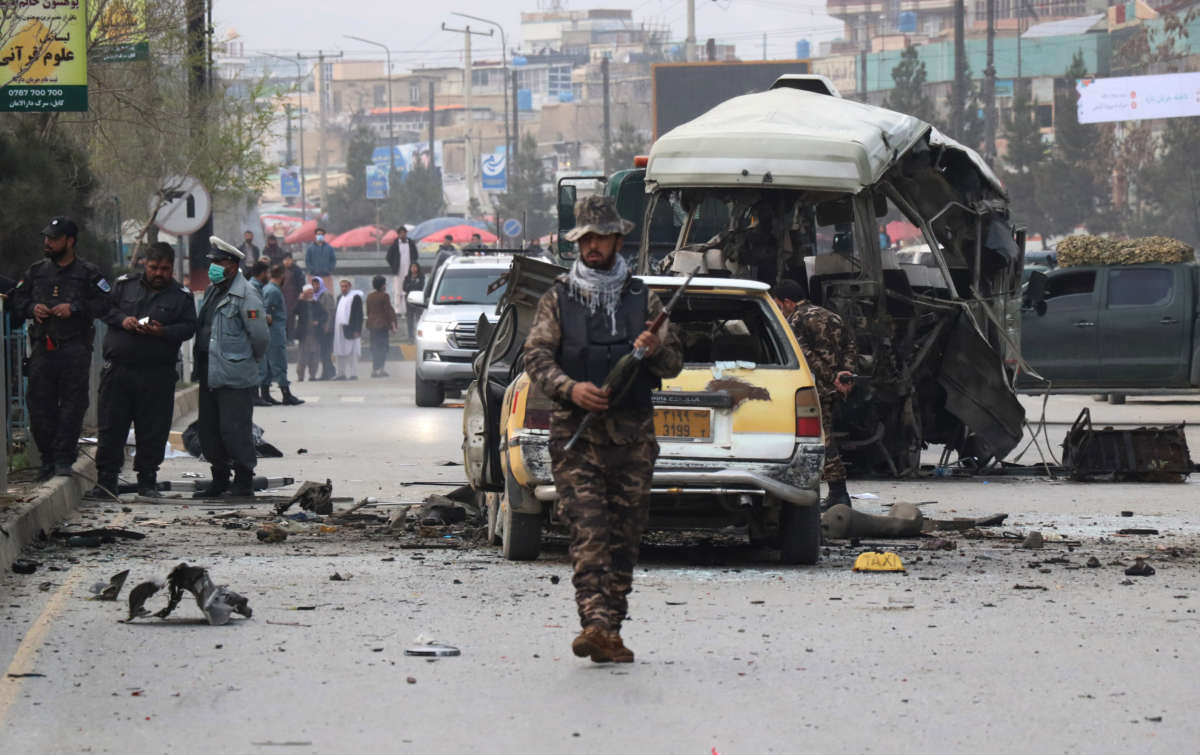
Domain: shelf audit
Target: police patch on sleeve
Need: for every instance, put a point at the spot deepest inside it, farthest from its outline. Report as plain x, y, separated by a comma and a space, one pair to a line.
102, 284
252, 314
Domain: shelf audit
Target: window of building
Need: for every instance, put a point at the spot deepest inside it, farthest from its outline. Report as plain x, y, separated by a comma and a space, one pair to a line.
380, 95
1044, 115
480, 78
414, 93
559, 80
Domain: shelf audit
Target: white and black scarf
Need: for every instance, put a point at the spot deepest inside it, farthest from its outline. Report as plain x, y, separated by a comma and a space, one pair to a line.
599, 290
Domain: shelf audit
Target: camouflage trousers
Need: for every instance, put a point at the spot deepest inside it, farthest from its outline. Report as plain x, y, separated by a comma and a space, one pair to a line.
604, 497
834, 469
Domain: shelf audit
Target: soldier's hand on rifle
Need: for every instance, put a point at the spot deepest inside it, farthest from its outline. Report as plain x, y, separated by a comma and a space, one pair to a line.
648, 340
844, 382
589, 396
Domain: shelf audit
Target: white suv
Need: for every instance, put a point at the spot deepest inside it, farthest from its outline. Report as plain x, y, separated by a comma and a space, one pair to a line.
456, 298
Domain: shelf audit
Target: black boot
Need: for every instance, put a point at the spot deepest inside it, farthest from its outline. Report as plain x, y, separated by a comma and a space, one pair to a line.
214, 489
289, 399
106, 488
45, 471
837, 495
266, 396
148, 484
243, 484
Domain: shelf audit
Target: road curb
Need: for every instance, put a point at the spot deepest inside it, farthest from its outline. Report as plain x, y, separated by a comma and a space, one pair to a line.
55, 500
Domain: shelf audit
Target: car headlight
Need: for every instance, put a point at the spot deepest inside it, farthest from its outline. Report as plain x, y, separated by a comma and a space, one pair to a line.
432, 329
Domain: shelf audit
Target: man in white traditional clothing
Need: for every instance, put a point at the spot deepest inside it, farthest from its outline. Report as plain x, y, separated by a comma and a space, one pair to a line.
347, 332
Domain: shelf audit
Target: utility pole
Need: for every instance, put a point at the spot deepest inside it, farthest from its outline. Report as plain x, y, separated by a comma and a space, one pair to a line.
516, 145
959, 92
300, 108
689, 44
607, 122
391, 133
432, 121
322, 116
504, 65
198, 87
989, 85
287, 110
467, 71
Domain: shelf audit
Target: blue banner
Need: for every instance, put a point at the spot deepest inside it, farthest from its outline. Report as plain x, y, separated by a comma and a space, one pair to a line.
289, 182
377, 182
495, 171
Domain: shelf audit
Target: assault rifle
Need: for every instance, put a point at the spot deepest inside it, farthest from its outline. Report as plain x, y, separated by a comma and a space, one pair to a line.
620, 378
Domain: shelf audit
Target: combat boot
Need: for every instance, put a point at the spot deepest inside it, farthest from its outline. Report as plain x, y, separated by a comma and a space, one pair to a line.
620, 653
105, 490
243, 484
268, 400
593, 642
289, 399
214, 489
837, 495
148, 484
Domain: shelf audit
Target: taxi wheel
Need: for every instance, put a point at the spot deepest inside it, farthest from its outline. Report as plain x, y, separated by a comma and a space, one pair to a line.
520, 534
800, 534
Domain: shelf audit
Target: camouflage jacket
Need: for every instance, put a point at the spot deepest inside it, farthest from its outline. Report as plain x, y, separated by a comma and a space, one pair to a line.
618, 427
828, 345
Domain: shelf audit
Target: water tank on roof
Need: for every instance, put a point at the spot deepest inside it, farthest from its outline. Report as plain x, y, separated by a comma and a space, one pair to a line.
907, 22
519, 60
803, 50
524, 99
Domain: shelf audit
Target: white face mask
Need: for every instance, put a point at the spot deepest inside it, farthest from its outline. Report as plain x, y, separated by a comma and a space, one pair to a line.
320, 238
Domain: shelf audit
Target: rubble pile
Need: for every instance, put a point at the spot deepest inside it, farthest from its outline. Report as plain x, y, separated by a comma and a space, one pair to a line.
1101, 250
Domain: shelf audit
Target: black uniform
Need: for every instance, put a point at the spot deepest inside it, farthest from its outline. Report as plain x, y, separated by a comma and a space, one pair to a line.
61, 351
138, 382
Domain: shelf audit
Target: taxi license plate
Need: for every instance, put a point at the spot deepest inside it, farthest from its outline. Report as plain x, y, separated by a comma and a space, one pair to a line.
683, 424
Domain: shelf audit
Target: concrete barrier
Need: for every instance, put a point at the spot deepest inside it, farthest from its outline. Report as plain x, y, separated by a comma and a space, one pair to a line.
53, 501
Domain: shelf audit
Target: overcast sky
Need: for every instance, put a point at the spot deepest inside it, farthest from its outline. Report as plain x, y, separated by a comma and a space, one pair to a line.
412, 29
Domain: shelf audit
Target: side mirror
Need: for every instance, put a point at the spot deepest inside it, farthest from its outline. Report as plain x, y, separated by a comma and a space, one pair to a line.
1035, 293
566, 207
416, 298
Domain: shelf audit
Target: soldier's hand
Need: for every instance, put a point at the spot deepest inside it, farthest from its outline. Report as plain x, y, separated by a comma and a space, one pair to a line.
153, 328
40, 312
130, 324
648, 341
589, 396
844, 383
61, 310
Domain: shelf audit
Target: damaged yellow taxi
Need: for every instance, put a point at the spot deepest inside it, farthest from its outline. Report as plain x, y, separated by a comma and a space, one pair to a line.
739, 428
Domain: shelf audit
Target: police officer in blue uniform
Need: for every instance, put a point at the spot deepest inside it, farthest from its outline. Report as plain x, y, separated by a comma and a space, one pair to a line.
152, 316
230, 339
60, 296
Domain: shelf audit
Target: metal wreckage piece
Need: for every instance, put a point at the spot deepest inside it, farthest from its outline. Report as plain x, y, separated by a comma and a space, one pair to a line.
217, 602
1143, 454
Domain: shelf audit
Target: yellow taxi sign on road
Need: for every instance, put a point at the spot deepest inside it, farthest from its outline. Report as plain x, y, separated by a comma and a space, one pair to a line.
874, 561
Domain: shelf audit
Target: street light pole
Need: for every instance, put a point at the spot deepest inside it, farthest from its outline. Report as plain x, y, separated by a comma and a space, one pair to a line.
300, 107
504, 66
391, 133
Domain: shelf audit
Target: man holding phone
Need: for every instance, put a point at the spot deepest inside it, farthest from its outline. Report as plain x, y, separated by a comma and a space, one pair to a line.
152, 316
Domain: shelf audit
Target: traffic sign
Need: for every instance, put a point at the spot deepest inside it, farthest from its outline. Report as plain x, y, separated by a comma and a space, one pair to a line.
512, 228
183, 205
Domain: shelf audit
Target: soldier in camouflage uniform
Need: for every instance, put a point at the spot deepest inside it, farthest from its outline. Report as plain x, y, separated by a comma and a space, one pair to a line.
832, 355
590, 318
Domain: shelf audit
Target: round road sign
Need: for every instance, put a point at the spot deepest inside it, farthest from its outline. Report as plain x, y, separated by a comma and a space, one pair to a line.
512, 228
185, 207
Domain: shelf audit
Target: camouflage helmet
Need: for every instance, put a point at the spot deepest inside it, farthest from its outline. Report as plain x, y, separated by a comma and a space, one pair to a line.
597, 214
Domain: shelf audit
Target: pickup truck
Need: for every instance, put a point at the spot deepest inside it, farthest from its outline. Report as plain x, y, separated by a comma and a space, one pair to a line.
1115, 330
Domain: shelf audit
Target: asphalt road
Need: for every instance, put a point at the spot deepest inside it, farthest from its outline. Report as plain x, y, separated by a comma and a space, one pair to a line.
735, 653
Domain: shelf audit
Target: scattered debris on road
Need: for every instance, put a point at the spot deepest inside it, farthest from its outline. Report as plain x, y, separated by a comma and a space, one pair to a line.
25, 566
841, 522
110, 591
880, 562
1140, 569
1144, 454
1034, 541
312, 496
217, 602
